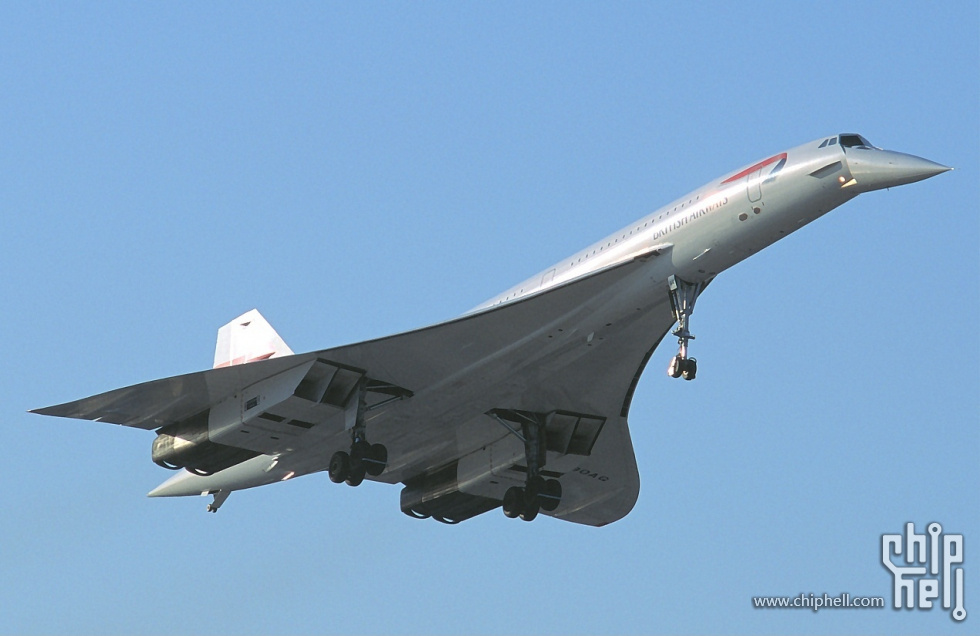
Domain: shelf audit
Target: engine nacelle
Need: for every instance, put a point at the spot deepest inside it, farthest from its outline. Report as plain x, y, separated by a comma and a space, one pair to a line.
186, 444
437, 495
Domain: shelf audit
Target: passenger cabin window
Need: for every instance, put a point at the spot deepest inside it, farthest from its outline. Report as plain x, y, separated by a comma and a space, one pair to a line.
855, 141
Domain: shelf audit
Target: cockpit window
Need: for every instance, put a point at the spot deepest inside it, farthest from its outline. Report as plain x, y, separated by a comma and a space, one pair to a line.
856, 141
828, 142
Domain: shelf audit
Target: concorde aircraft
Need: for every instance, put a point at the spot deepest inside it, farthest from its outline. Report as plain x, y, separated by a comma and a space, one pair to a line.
522, 402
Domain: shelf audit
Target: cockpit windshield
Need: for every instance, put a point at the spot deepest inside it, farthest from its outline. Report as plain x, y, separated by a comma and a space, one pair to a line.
855, 141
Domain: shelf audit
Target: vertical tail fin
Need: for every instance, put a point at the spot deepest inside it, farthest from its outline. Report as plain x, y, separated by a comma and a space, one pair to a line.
248, 338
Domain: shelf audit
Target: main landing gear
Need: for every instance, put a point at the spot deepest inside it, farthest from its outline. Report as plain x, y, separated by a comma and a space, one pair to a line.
683, 295
538, 493
363, 458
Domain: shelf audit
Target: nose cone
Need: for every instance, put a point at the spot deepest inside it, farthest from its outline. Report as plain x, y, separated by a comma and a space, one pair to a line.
874, 169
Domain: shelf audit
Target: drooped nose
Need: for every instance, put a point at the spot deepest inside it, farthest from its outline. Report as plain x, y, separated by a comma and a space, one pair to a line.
874, 169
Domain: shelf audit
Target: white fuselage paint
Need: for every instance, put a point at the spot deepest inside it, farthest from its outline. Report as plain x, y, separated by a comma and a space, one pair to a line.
704, 226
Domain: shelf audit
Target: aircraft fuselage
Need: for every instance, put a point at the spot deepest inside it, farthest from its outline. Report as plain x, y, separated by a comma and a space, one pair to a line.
727, 220
572, 338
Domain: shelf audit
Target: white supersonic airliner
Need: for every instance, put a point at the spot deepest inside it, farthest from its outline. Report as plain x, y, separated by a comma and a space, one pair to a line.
523, 401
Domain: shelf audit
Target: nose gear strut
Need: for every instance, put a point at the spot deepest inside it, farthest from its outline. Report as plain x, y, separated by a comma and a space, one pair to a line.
683, 295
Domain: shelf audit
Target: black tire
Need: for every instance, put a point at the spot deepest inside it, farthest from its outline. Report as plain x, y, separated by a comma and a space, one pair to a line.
359, 451
530, 511
356, 475
690, 369
339, 467
377, 460
677, 367
513, 502
551, 495
535, 486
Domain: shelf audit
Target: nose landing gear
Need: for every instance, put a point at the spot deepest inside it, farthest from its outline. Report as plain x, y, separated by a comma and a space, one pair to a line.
683, 295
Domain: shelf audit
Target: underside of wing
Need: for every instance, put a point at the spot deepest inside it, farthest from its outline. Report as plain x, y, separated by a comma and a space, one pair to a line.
570, 356
151, 405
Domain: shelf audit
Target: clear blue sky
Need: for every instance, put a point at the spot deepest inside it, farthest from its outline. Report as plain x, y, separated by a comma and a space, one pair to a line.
355, 170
